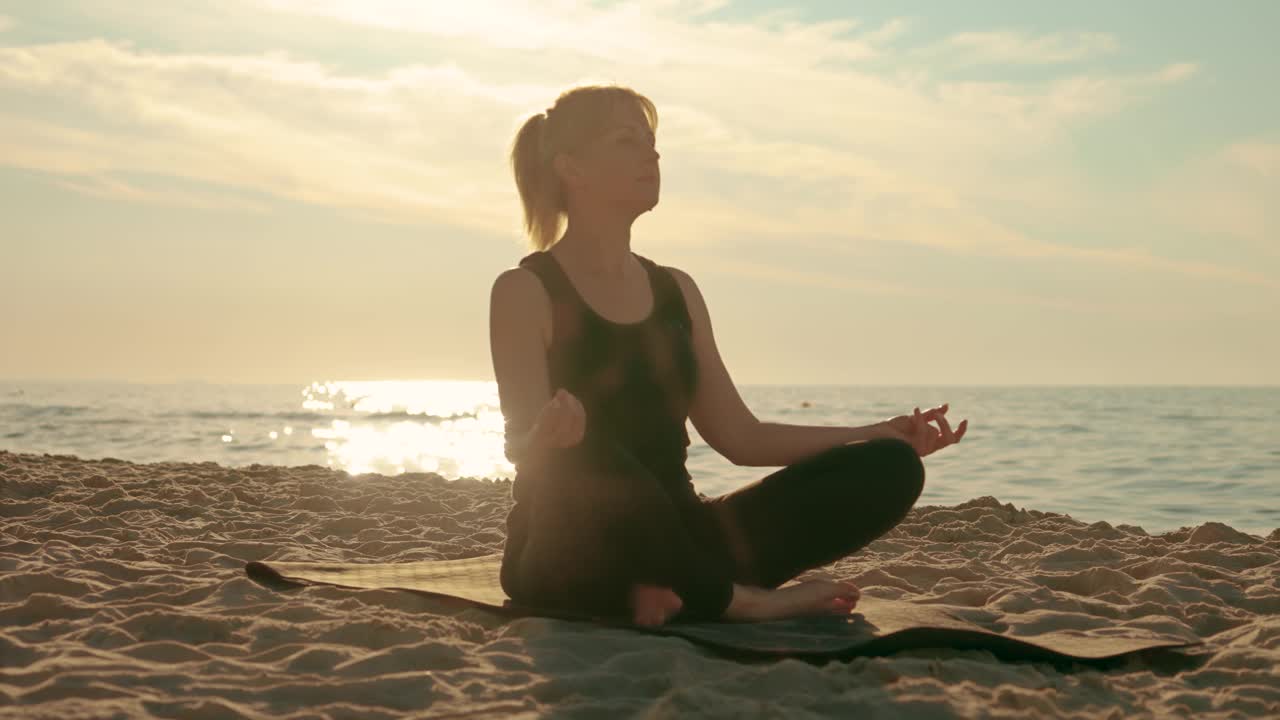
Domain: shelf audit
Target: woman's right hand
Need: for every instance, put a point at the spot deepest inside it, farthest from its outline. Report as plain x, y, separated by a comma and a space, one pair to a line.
561, 423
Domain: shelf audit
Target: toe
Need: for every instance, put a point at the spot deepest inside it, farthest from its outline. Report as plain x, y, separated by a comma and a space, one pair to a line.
841, 606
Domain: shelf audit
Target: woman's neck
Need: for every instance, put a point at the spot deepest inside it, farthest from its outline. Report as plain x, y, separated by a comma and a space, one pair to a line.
603, 254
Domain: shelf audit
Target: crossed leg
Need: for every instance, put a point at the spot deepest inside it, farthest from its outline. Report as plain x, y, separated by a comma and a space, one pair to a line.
816, 511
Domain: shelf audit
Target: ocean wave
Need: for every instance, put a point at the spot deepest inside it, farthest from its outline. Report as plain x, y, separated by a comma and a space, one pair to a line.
313, 416
28, 410
301, 416
247, 447
403, 415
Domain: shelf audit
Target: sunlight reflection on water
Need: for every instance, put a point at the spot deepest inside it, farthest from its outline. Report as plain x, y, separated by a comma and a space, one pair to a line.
453, 427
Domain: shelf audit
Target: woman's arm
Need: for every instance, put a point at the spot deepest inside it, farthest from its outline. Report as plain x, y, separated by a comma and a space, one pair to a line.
725, 421
716, 409
518, 313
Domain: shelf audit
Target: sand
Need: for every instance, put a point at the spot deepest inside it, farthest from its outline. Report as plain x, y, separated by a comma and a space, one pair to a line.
123, 594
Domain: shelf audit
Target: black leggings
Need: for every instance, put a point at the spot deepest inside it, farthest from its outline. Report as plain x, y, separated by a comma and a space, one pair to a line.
596, 522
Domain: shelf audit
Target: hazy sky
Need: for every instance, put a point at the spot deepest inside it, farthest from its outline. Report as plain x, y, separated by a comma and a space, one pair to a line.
867, 193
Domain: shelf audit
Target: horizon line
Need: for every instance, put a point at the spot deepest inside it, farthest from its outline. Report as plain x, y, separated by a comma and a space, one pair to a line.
199, 381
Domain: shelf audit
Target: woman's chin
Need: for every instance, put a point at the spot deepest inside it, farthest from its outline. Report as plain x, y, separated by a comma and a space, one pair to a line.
644, 204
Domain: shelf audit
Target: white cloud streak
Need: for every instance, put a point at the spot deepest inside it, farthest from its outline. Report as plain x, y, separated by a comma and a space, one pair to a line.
1231, 193
1007, 46
834, 281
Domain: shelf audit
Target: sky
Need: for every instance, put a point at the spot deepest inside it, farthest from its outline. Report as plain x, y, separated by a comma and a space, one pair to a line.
867, 193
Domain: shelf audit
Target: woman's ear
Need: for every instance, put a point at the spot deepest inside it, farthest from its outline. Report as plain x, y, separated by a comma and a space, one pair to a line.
567, 168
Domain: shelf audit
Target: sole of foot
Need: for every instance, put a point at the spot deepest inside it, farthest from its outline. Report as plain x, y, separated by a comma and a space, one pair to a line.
652, 606
810, 597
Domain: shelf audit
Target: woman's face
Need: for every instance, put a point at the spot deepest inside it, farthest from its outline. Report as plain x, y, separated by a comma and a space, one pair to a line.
620, 167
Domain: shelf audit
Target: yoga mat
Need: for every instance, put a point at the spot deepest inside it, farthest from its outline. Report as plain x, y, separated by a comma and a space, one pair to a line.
875, 627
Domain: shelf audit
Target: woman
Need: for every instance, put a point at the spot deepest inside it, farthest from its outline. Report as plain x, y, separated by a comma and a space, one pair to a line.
601, 356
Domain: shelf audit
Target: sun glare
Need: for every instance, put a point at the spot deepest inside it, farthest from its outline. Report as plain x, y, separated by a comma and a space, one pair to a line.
390, 427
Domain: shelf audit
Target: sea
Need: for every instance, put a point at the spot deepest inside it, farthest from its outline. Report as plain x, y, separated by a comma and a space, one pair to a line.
1160, 457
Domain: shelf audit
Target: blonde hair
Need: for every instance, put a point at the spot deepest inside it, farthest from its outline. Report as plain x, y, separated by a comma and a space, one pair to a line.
577, 116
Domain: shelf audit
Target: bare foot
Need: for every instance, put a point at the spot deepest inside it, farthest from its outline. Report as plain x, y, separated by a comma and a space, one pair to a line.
811, 597
652, 605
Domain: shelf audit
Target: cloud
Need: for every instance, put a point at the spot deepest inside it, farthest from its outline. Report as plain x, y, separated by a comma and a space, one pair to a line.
6, 23
1089, 96
134, 190
269, 124
1227, 194
1012, 47
888, 32
739, 267
768, 129
671, 32
1259, 158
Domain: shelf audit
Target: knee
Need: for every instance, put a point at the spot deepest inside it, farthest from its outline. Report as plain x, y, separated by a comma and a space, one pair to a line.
893, 463
904, 467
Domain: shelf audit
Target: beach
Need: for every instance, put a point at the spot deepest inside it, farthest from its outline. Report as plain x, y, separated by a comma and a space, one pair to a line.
123, 594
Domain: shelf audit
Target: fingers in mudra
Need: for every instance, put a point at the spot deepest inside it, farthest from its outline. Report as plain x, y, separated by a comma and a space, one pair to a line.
925, 434
948, 436
564, 420
929, 439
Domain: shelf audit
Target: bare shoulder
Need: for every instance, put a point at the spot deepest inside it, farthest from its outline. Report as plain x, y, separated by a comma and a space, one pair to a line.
518, 296
518, 283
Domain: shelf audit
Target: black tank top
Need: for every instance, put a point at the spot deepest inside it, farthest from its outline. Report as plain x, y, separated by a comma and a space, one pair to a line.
635, 380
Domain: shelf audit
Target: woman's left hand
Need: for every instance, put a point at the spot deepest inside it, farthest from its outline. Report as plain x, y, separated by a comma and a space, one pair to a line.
925, 438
